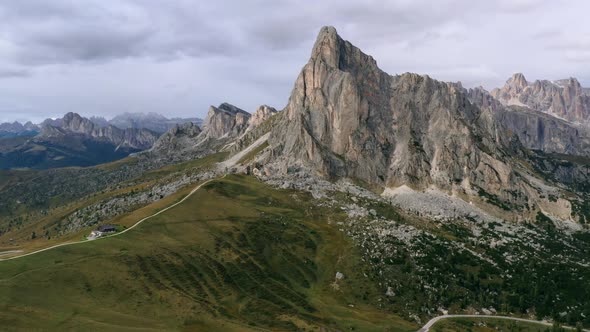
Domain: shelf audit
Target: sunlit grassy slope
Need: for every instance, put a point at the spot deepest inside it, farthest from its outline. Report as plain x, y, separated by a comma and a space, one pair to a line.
48, 220
236, 256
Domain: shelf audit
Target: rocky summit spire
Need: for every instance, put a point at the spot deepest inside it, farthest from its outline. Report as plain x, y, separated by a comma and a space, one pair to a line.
327, 47
335, 52
225, 120
517, 82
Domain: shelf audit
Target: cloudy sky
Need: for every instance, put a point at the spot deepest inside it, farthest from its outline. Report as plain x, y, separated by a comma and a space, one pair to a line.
177, 57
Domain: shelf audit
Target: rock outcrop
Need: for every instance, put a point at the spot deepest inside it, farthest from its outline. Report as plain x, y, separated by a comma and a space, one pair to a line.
261, 114
180, 139
221, 128
565, 99
536, 130
225, 121
348, 118
540, 131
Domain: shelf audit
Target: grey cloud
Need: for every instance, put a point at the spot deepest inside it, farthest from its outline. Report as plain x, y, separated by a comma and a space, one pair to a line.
53, 32
61, 31
179, 56
520, 6
574, 48
8, 73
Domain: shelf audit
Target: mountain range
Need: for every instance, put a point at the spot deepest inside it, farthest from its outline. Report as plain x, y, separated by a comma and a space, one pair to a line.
409, 134
152, 121
16, 129
77, 141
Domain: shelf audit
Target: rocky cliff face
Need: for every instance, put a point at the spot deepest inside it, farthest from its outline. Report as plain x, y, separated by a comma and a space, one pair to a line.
225, 121
261, 114
483, 99
540, 131
536, 130
347, 118
563, 98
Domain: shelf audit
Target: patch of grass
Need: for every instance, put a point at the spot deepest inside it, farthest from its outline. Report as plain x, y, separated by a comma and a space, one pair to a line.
118, 163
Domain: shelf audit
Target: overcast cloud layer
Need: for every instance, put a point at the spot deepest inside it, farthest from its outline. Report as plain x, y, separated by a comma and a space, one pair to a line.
177, 57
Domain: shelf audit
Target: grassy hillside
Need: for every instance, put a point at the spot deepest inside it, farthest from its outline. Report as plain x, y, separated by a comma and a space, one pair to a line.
236, 256
29, 205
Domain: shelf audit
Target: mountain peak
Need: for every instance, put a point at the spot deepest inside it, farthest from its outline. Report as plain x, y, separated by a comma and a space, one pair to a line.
569, 82
76, 123
347, 117
71, 115
327, 46
229, 108
329, 30
517, 81
225, 120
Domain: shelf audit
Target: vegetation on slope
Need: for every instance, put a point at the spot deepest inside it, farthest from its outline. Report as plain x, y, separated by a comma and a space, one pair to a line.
42, 201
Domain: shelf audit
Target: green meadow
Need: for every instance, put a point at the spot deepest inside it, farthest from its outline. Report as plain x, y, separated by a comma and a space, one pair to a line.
236, 256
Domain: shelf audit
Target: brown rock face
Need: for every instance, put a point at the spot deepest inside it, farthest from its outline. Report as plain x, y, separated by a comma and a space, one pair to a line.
563, 98
346, 117
262, 114
535, 130
541, 131
225, 121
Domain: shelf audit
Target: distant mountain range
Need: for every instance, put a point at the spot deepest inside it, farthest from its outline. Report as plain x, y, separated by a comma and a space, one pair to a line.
77, 141
16, 129
152, 121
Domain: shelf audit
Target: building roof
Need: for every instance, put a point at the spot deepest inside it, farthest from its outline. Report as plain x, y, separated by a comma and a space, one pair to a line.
106, 228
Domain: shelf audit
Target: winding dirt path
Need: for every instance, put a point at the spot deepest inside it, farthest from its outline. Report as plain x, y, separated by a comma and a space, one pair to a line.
433, 321
119, 233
